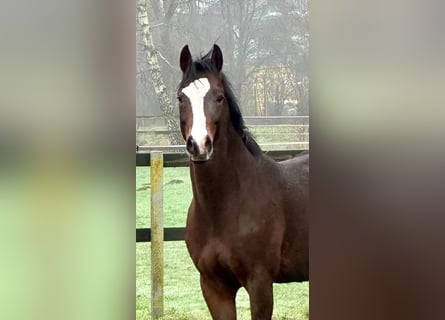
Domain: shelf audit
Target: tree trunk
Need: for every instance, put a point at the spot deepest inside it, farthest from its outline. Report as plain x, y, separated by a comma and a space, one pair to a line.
156, 75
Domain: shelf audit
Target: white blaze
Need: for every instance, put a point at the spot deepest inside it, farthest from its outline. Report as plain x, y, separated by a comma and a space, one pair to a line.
196, 92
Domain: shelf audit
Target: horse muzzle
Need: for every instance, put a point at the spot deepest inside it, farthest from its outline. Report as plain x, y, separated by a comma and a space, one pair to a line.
199, 150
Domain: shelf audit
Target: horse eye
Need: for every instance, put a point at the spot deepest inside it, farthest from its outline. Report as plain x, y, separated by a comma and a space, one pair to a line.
220, 98
180, 99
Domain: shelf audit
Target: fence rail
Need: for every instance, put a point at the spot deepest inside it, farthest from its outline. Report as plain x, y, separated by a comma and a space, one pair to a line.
170, 234
150, 121
178, 158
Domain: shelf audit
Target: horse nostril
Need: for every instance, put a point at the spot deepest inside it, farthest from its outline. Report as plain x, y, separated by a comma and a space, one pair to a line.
208, 144
190, 144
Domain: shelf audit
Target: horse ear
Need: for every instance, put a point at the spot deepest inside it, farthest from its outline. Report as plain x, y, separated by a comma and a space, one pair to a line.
186, 58
217, 57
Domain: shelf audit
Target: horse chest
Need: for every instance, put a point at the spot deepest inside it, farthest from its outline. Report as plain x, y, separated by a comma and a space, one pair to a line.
216, 257
234, 242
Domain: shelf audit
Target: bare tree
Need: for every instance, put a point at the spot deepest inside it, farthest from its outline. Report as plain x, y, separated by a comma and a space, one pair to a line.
154, 69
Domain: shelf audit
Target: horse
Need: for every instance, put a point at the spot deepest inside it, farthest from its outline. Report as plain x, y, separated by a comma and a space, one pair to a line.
247, 224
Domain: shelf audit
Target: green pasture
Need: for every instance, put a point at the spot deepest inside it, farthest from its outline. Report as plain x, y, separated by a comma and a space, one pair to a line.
182, 294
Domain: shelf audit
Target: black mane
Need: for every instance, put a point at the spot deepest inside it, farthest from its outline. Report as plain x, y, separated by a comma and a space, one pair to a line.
204, 65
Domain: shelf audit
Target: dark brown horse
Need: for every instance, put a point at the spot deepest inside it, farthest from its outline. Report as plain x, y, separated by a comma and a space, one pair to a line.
247, 225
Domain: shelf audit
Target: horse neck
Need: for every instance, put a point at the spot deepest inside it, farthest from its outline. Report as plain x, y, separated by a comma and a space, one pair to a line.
231, 163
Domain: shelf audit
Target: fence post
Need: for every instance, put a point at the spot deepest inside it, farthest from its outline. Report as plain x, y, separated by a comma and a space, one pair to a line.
157, 235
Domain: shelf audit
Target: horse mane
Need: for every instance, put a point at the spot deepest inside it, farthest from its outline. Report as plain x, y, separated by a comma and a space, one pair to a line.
204, 65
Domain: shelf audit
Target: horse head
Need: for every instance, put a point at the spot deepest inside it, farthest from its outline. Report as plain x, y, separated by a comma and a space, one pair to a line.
202, 102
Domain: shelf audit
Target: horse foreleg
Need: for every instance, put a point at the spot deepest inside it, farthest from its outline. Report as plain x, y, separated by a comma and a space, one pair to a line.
260, 291
220, 299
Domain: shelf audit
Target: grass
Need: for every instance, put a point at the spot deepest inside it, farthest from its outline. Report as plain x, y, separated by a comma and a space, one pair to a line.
182, 295
177, 196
